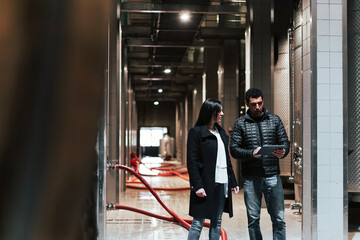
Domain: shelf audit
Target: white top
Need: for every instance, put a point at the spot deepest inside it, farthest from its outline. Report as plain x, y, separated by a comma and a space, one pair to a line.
221, 175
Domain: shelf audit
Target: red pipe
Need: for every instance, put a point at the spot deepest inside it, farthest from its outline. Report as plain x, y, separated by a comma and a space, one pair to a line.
168, 168
182, 222
170, 219
181, 176
171, 173
178, 219
134, 180
157, 188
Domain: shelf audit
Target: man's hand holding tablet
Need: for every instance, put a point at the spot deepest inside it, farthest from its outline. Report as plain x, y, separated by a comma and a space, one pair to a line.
277, 150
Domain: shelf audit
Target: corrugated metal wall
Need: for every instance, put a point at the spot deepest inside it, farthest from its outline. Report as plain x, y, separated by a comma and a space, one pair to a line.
282, 94
354, 94
297, 99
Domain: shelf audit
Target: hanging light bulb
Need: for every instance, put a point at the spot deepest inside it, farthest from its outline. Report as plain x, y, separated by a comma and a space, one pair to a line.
184, 16
156, 103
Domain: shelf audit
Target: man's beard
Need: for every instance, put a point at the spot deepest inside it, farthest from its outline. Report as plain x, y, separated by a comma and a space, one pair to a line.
256, 114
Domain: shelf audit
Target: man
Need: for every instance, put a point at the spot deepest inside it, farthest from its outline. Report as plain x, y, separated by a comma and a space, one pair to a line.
261, 174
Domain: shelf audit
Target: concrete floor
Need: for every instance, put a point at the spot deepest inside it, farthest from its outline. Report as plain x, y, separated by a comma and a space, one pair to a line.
123, 224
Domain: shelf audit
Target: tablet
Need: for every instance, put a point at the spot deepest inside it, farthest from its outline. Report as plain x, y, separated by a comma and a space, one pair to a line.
268, 149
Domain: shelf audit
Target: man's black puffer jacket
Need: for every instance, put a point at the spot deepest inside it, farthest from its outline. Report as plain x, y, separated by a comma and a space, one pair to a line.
248, 134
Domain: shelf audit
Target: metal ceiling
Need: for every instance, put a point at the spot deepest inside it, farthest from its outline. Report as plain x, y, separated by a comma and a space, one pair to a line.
156, 39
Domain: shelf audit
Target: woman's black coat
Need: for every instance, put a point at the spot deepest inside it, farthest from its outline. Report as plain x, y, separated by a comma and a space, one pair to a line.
201, 164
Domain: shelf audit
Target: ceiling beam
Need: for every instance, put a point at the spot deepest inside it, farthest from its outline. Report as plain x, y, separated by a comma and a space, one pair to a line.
205, 32
172, 44
158, 95
135, 31
138, 55
138, 70
162, 78
146, 99
176, 8
222, 33
145, 63
146, 31
191, 71
172, 88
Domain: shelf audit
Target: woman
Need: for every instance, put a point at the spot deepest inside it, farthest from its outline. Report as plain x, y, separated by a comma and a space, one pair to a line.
210, 171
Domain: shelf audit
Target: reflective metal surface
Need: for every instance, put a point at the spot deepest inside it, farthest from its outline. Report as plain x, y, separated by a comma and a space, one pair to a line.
101, 144
312, 10
282, 95
297, 107
298, 171
112, 134
345, 6
51, 91
354, 95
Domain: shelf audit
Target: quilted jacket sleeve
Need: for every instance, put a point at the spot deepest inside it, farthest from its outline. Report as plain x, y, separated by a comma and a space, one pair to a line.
237, 149
282, 136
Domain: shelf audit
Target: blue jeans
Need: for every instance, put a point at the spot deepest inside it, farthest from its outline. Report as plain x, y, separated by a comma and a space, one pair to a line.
272, 188
215, 221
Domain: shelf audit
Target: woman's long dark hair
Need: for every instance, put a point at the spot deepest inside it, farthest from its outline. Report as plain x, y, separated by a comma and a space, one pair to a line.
208, 109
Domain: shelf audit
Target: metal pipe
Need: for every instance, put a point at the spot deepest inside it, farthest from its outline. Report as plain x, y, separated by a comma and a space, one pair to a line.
291, 88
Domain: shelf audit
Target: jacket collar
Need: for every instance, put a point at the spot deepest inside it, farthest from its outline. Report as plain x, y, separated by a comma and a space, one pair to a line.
249, 118
206, 133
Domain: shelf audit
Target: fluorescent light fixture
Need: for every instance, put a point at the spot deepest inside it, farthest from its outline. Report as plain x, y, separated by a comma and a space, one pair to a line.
156, 103
167, 70
160, 90
184, 16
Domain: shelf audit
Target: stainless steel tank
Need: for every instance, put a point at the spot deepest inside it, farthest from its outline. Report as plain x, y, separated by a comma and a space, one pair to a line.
354, 95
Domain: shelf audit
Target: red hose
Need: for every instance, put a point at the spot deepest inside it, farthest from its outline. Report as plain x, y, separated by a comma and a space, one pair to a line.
157, 188
171, 171
174, 173
132, 183
169, 168
181, 176
178, 219
170, 219
175, 217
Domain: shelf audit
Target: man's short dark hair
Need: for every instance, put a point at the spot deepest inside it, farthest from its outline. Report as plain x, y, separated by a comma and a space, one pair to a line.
253, 93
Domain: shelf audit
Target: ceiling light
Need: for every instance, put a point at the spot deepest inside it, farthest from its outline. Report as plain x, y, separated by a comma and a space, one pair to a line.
160, 90
184, 16
156, 103
167, 70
